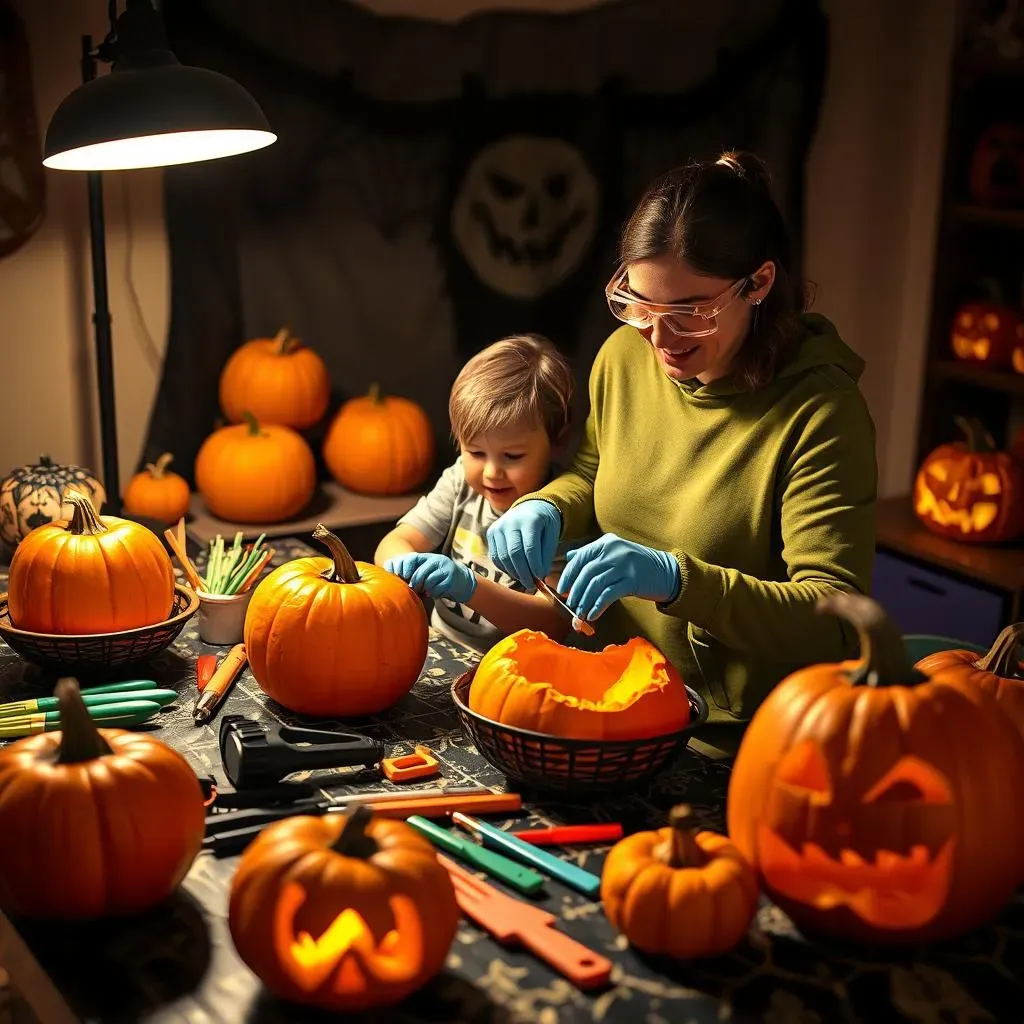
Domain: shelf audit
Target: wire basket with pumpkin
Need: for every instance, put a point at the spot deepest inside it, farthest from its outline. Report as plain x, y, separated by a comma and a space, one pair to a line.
576, 722
91, 592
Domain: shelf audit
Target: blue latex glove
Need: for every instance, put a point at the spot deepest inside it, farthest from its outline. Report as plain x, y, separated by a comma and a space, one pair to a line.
611, 568
434, 576
523, 541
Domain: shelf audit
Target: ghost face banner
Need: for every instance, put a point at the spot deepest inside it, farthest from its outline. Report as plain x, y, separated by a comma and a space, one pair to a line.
533, 198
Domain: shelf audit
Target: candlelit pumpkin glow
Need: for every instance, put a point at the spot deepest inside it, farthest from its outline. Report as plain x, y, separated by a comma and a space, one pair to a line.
986, 333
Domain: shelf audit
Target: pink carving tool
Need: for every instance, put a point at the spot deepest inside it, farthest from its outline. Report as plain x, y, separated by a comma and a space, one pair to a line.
512, 921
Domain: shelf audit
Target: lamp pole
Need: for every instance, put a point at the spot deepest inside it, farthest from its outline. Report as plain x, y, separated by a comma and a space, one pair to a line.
101, 318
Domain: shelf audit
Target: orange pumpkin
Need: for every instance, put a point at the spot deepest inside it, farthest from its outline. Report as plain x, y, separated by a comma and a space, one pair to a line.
996, 173
680, 893
346, 913
987, 333
94, 574
530, 681
157, 493
278, 380
379, 444
335, 637
108, 821
998, 672
873, 799
969, 491
255, 473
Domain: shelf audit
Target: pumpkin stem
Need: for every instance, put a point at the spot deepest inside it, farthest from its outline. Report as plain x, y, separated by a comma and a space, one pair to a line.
353, 841
80, 740
45, 460
1003, 659
883, 658
344, 569
979, 440
84, 520
683, 851
158, 468
284, 342
374, 393
252, 423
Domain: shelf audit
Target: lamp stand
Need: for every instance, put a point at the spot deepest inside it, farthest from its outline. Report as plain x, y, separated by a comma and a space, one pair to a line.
101, 319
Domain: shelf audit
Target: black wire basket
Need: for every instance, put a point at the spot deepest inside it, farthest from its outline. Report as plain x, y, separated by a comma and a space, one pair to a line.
89, 651
571, 767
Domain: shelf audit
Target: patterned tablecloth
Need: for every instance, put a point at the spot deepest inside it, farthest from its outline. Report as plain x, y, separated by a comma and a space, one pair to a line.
179, 964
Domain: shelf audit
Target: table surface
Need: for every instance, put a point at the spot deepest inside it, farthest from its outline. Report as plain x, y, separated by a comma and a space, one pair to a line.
178, 963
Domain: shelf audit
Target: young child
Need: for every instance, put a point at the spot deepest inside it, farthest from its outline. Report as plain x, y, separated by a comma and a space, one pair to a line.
509, 411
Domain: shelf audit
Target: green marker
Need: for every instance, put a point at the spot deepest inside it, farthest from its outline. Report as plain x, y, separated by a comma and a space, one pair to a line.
119, 716
125, 686
29, 707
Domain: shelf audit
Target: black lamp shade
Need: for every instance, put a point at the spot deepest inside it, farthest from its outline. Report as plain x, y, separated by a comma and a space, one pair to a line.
154, 117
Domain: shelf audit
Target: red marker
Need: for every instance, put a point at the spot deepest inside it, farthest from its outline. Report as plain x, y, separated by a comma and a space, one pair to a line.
206, 665
567, 835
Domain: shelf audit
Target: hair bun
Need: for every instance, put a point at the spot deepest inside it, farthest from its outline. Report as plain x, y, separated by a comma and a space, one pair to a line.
747, 166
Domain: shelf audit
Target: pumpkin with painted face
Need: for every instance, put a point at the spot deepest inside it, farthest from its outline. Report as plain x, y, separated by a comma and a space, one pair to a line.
345, 913
987, 333
870, 797
970, 492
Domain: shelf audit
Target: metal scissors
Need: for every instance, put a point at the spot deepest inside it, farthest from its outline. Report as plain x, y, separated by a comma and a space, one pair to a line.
578, 624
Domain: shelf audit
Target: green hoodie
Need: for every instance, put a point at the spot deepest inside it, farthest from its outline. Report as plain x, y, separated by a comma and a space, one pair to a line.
766, 498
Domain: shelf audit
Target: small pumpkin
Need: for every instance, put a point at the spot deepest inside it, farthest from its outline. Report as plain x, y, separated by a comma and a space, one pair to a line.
34, 496
157, 493
970, 492
996, 173
379, 444
345, 913
279, 380
335, 637
870, 796
92, 574
678, 892
987, 333
623, 692
108, 821
255, 473
998, 672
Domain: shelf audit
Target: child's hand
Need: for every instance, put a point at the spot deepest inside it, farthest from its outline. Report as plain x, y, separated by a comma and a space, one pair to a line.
434, 575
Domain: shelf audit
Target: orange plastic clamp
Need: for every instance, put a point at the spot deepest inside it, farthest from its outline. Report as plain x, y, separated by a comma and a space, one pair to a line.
416, 765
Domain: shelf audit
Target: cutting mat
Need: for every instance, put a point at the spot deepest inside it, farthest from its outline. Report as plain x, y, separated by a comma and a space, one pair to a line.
332, 505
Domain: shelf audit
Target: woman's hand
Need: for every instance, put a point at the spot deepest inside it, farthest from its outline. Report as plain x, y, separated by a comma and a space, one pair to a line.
522, 543
611, 568
434, 575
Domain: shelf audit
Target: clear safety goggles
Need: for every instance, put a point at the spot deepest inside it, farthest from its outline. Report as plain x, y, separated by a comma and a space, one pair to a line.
687, 321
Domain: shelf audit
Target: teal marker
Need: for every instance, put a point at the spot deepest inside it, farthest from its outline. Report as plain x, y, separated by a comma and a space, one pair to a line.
111, 716
29, 707
125, 686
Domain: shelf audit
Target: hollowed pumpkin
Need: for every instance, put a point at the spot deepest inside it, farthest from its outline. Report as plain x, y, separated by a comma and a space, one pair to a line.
624, 692
869, 795
94, 574
343, 913
335, 637
986, 333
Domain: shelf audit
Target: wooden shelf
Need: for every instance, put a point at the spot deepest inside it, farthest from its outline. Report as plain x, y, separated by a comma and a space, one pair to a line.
989, 215
1006, 381
898, 529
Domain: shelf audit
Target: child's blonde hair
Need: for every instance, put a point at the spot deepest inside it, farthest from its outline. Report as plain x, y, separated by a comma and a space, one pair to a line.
518, 380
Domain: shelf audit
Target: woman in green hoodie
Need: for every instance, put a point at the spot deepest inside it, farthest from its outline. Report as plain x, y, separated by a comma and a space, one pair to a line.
728, 461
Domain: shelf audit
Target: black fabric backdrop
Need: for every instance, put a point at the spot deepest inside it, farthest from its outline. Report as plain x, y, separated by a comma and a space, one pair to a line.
436, 186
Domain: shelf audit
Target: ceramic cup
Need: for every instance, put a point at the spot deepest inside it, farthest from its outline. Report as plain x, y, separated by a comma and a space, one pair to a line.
222, 617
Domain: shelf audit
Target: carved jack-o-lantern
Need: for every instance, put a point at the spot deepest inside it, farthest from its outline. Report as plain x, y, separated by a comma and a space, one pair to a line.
866, 794
987, 333
344, 913
969, 491
525, 214
996, 175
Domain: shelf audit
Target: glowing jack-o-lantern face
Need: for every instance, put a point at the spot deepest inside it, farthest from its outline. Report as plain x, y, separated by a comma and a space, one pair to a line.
526, 213
858, 794
970, 492
343, 913
987, 333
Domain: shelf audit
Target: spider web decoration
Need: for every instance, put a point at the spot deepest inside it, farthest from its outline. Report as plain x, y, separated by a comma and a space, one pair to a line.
533, 190
22, 178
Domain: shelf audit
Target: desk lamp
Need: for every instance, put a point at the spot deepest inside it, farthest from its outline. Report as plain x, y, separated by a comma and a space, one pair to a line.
149, 111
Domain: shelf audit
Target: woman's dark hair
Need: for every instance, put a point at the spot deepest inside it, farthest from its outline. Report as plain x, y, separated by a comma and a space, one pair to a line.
719, 216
